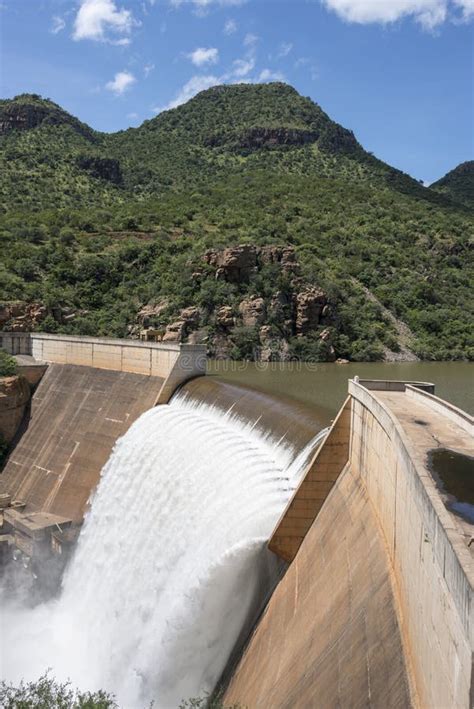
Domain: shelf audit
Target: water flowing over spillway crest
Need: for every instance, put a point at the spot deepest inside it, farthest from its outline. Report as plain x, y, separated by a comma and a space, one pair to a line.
170, 562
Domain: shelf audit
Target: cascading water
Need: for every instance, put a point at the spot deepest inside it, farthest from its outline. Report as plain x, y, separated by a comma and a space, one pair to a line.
169, 564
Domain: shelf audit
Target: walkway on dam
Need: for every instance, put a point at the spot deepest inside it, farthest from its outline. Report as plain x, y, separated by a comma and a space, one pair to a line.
426, 430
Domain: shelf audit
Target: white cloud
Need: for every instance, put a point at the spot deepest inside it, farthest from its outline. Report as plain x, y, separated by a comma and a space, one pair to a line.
429, 13
147, 69
230, 27
284, 49
202, 56
191, 88
133, 116
250, 40
467, 7
57, 24
122, 81
242, 67
269, 75
97, 17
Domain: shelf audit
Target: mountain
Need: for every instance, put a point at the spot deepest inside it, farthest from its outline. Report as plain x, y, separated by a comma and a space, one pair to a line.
246, 219
458, 184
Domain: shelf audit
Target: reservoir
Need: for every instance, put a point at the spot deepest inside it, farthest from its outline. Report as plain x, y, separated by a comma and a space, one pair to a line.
324, 385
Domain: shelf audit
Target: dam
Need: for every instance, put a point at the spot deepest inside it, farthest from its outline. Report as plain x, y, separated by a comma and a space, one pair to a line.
231, 542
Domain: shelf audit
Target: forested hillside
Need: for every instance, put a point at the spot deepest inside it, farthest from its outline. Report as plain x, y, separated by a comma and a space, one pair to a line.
245, 219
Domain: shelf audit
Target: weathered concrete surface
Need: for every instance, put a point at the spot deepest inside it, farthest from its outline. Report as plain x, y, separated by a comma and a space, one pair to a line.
14, 398
77, 414
174, 363
327, 639
322, 473
330, 636
32, 370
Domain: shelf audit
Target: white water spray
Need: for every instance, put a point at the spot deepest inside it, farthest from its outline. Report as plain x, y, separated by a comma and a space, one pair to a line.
169, 564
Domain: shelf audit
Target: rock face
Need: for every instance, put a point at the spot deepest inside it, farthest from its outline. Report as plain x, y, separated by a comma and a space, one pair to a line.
252, 312
261, 324
310, 304
24, 317
29, 111
235, 264
14, 397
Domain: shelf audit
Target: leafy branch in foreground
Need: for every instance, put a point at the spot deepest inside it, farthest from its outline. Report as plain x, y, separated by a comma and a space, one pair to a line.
47, 693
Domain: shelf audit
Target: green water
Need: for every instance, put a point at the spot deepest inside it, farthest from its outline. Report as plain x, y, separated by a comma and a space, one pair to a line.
324, 386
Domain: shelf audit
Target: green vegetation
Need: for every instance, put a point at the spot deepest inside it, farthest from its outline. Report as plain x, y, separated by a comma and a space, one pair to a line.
458, 184
47, 693
103, 224
8, 366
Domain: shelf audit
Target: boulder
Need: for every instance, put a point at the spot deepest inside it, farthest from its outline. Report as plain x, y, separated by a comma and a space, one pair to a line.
225, 318
191, 317
14, 397
151, 312
234, 264
175, 332
252, 311
309, 305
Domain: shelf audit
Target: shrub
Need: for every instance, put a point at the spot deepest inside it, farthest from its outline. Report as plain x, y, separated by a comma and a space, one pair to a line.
8, 366
47, 693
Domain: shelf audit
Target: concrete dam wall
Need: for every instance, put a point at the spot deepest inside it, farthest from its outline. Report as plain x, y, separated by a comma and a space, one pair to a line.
376, 608
92, 392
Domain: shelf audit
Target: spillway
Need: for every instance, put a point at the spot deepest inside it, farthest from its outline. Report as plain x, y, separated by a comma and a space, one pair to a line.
171, 565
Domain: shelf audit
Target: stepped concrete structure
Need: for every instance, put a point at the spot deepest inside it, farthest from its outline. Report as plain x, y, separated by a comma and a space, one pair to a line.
91, 391
376, 607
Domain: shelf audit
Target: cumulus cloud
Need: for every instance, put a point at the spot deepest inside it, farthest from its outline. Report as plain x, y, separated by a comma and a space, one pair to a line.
191, 88
96, 18
230, 27
202, 56
428, 13
467, 7
147, 69
122, 81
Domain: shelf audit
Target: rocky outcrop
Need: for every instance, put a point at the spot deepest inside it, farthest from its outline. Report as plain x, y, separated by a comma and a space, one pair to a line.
270, 320
309, 305
235, 264
24, 317
14, 398
29, 111
188, 322
252, 311
225, 317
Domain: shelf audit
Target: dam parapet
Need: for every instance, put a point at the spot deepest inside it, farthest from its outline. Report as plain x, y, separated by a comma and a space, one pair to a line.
377, 604
173, 363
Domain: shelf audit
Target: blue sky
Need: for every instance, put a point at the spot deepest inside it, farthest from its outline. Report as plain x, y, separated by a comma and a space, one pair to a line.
397, 72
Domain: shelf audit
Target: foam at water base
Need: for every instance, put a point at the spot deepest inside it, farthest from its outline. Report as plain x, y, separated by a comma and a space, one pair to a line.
169, 563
